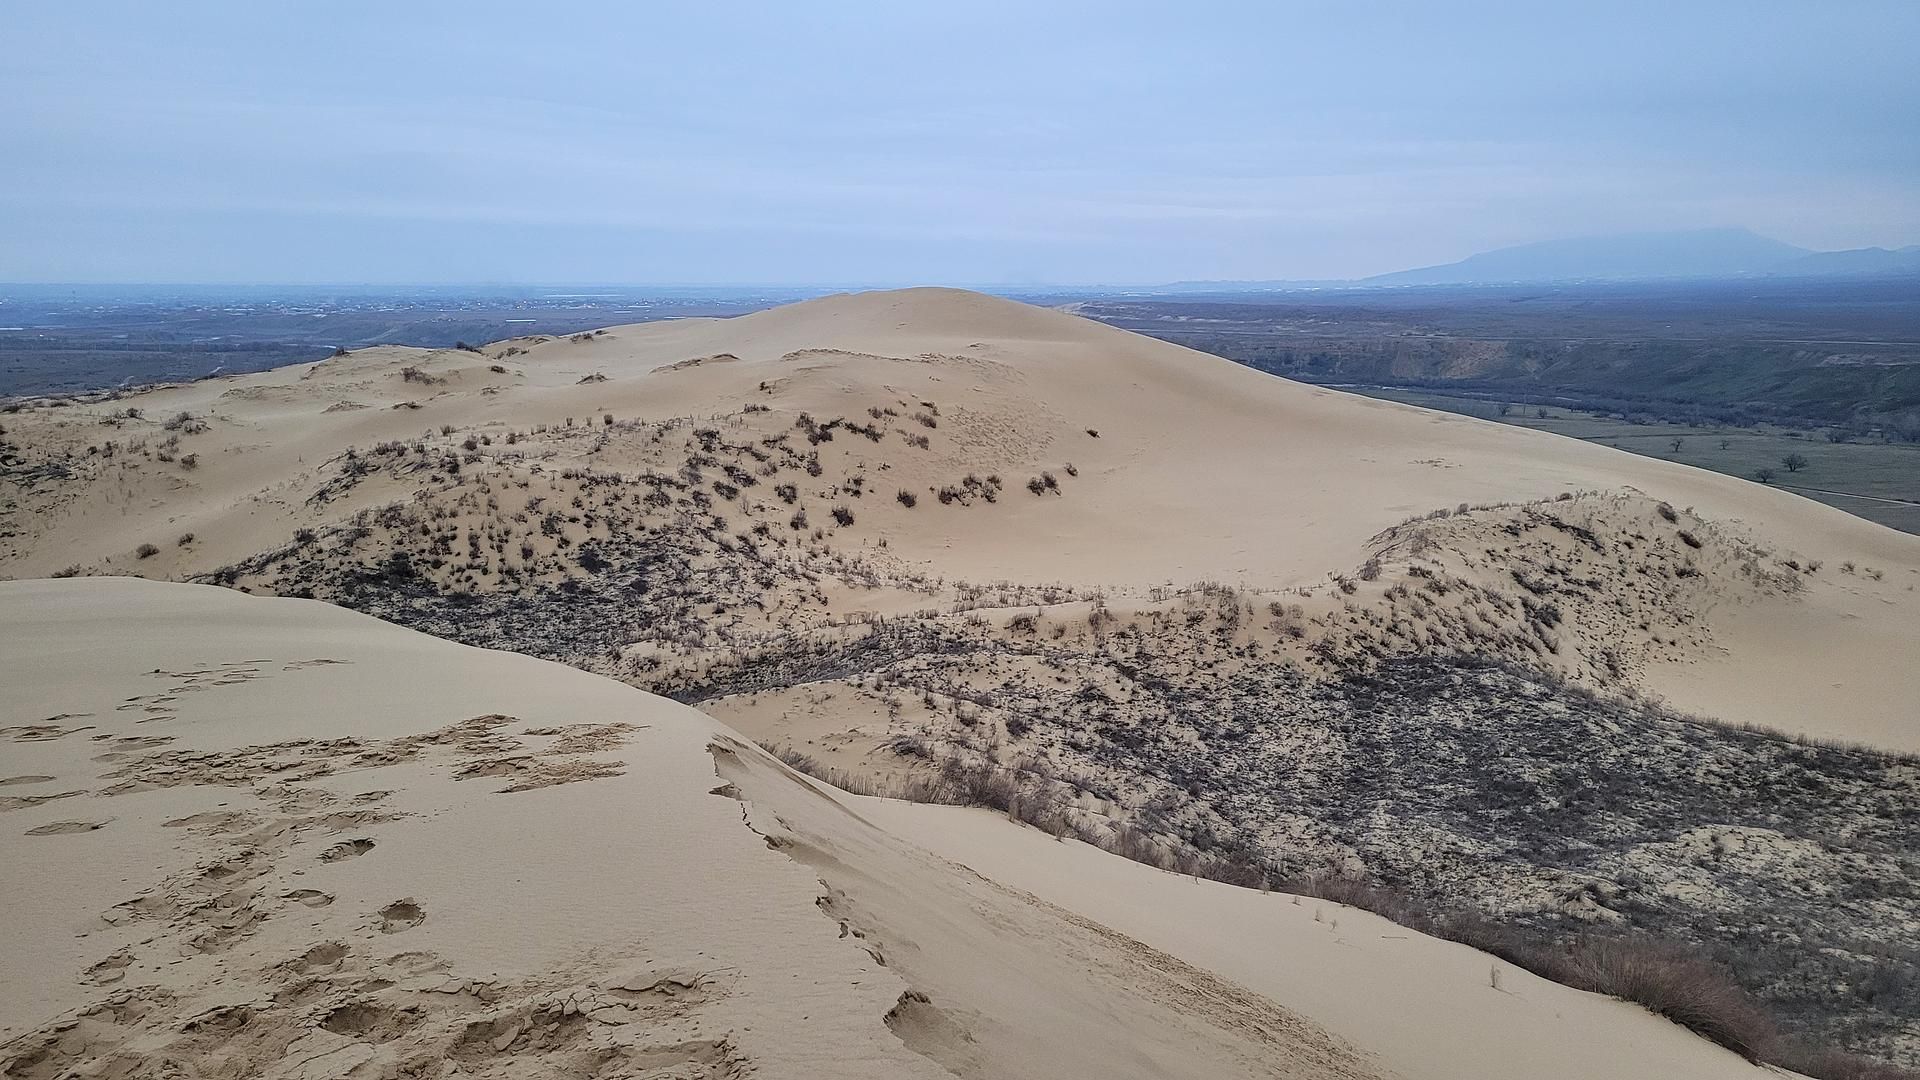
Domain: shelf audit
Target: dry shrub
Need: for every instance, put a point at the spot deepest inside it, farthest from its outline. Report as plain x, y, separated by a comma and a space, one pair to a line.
1662, 977
1685, 989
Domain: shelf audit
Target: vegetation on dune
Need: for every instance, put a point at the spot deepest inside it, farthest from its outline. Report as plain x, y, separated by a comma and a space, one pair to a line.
1440, 733
1241, 737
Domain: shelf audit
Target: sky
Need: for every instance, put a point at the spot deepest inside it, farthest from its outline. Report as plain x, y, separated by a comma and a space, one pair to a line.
813, 141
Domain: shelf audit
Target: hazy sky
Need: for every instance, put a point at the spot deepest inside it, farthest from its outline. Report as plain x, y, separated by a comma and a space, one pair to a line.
961, 142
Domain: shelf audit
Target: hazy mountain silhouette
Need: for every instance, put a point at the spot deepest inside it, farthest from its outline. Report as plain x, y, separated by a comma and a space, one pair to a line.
1872, 260
1694, 253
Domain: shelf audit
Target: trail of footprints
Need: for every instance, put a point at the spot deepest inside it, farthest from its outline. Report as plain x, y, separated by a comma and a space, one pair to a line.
332, 1009
335, 1011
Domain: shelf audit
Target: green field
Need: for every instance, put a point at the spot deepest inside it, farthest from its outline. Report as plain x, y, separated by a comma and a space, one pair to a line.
1876, 480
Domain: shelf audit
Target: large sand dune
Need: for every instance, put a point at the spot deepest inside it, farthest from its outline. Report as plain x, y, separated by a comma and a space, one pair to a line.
1200, 470
933, 543
269, 837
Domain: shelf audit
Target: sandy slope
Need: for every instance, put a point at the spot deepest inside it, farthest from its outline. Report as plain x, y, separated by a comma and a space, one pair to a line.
256, 883
1201, 469
1428, 1008
287, 840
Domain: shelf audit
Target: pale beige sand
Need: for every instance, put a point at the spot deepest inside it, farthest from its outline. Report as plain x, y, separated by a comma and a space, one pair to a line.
636, 894
1429, 1009
1202, 469
294, 841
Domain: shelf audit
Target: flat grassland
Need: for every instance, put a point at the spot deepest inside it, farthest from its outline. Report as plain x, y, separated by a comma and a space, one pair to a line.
1876, 480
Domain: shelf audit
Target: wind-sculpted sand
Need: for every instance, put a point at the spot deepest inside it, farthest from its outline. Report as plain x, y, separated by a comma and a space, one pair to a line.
314, 854
1163, 467
936, 544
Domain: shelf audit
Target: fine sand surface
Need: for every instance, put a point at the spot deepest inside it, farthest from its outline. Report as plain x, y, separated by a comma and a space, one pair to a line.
1185, 468
1426, 1008
284, 871
288, 840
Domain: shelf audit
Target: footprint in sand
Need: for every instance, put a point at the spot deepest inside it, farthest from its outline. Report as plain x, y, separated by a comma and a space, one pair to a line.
369, 1021
324, 957
296, 665
110, 970
346, 850
65, 828
46, 731
401, 915
309, 897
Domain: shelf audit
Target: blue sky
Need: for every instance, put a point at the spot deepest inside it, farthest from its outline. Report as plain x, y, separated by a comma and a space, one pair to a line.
762, 142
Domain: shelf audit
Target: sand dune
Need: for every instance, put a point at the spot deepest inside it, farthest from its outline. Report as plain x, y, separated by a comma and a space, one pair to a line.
1172, 606
273, 837
1200, 470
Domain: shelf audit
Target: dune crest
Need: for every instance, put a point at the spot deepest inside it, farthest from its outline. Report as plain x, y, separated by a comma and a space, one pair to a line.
1181, 468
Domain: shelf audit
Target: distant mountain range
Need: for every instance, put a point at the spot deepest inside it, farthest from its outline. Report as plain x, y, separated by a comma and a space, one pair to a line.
1697, 253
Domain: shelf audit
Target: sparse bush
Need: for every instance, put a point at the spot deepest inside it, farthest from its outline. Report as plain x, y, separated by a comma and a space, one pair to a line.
1794, 462
1682, 988
842, 516
1764, 475
190, 461
907, 498
146, 551
185, 539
